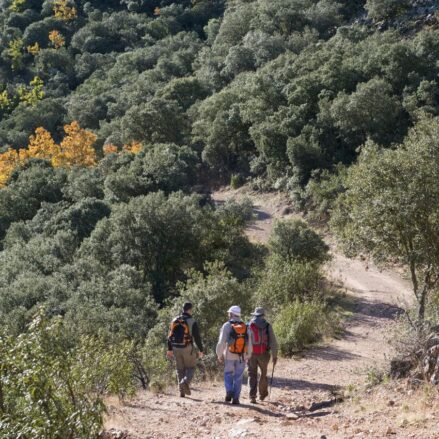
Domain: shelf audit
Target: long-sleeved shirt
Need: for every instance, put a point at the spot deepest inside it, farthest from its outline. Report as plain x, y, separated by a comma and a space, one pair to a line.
222, 348
272, 341
194, 330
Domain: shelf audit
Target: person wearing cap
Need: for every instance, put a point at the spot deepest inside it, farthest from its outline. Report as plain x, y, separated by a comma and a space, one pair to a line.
264, 345
183, 333
234, 349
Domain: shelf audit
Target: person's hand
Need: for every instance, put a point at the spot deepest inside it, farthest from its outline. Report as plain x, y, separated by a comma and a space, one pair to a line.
274, 361
200, 355
220, 360
169, 355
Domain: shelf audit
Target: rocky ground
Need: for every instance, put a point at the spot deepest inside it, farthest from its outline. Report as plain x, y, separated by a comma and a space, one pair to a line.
323, 393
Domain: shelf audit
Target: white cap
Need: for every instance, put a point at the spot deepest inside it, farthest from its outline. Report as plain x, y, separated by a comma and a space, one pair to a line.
235, 310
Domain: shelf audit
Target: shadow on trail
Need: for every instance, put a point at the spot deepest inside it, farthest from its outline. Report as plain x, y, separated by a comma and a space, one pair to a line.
292, 384
253, 407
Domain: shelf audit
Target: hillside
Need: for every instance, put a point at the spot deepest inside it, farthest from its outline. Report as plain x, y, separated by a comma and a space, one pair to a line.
302, 403
122, 123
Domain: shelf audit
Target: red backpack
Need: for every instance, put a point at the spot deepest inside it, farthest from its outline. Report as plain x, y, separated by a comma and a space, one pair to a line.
260, 339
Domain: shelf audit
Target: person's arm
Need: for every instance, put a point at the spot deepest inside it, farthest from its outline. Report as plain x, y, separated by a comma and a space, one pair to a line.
170, 352
249, 343
197, 337
273, 342
222, 342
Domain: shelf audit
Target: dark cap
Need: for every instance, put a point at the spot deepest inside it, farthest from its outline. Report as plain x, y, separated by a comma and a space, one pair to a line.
187, 306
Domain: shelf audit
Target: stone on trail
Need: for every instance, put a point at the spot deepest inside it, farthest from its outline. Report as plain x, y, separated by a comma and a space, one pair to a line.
238, 432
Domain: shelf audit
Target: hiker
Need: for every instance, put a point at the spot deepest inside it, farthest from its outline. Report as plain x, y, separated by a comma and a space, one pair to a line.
233, 349
182, 334
264, 344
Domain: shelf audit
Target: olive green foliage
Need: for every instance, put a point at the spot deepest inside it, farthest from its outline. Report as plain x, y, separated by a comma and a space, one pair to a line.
283, 282
51, 389
292, 286
382, 9
294, 240
299, 324
279, 92
390, 207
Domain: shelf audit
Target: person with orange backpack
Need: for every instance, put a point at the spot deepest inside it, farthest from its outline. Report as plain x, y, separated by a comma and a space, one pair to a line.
183, 332
234, 349
264, 345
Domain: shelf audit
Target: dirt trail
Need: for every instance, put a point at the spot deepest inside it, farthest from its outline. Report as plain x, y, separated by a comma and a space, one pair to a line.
302, 400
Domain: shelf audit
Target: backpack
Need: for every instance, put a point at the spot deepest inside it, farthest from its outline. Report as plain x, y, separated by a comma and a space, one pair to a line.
260, 339
238, 338
180, 332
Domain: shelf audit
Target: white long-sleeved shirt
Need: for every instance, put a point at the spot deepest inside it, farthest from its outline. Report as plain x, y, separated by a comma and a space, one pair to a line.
222, 348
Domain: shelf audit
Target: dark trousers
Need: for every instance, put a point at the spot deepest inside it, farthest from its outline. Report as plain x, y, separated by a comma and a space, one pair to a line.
258, 361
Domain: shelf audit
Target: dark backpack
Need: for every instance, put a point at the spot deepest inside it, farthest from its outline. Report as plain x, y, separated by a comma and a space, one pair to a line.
180, 333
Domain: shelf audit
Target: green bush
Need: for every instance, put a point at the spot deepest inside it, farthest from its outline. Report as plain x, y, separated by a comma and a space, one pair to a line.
300, 323
294, 240
382, 9
283, 282
50, 388
235, 181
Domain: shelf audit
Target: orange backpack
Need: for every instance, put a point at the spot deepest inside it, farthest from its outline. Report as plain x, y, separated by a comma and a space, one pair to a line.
238, 338
179, 332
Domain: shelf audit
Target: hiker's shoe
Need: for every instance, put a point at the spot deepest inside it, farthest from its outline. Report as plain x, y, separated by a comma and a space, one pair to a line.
182, 394
235, 401
253, 400
262, 397
186, 388
228, 397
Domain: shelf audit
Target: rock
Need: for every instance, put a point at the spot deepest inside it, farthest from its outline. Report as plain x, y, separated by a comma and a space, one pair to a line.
400, 367
391, 403
292, 416
113, 434
245, 421
238, 432
286, 210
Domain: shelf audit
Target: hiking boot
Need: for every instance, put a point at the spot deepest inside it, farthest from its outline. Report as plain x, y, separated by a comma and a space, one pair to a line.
228, 397
235, 401
253, 400
182, 395
186, 388
262, 397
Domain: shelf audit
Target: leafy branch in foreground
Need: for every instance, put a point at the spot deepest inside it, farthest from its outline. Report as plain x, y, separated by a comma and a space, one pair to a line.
51, 389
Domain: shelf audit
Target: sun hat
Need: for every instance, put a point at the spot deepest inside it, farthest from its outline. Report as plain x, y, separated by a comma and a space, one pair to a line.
235, 310
259, 311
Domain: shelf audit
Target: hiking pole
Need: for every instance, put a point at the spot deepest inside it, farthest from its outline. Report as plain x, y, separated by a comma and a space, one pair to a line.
271, 381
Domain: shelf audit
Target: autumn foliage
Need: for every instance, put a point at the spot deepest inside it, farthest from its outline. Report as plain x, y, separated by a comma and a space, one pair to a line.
76, 149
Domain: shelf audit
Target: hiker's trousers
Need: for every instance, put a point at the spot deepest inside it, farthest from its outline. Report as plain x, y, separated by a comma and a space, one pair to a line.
260, 361
233, 375
186, 360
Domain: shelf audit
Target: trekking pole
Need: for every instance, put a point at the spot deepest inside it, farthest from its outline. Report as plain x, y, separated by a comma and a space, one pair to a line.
271, 381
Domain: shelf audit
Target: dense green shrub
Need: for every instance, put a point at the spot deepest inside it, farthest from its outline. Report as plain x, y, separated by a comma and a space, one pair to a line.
294, 240
50, 387
282, 282
299, 324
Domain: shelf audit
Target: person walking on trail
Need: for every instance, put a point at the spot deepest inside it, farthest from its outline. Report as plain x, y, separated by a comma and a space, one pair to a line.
264, 345
233, 349
183, 332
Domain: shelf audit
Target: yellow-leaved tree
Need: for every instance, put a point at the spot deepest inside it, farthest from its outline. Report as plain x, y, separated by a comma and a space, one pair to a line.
57, 39
134, 147
109, 149
42, 145
63, 11
77, 147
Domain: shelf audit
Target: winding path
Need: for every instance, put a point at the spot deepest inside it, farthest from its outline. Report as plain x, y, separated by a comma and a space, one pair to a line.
303, 402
